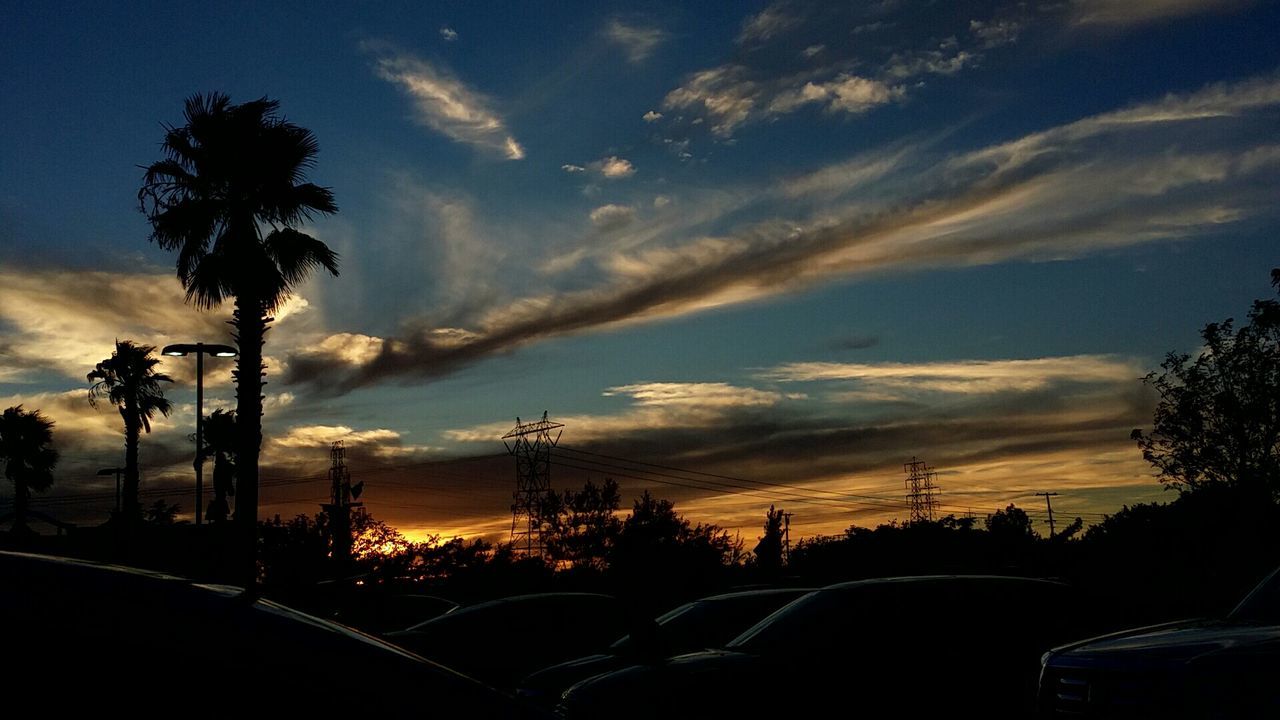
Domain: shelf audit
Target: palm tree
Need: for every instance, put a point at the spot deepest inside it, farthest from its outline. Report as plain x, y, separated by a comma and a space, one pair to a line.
220, 444
227, 197
25, 439
128, 379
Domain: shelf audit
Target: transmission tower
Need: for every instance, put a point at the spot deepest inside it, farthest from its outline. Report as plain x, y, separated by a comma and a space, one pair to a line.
920, 487
341, 499
531, 445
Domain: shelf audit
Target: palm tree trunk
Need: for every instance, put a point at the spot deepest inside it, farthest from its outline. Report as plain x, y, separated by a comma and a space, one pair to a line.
132, 429
251, 328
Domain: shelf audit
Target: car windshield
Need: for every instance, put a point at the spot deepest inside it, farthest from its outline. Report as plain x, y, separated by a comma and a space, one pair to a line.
1262, 605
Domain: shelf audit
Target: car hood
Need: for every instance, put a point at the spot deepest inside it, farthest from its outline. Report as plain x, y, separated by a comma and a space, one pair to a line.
1175, 643
559, 677
659, 689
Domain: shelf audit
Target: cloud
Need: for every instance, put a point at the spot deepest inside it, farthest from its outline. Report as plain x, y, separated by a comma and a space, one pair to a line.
743, 448
448, 34
612, 217
65, 322
964, 376
614, 168
995, 33
1176, 167
1137, 12
637, 41
652, 116
661, 201
813, 50
572, 168
767, 24
846, 93
445, 104
723, 93
716, 394
855, 342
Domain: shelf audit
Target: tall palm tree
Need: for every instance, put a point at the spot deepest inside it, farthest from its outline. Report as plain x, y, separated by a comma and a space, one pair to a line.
128, 380
227, 197
25, 439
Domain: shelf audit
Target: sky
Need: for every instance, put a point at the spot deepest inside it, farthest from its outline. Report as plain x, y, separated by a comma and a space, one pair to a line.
747, 253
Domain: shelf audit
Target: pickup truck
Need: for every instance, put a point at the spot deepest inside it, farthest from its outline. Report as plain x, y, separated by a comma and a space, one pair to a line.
1222, 668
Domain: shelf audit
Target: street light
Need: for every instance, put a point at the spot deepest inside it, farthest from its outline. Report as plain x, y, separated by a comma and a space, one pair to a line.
114, 471
200, 350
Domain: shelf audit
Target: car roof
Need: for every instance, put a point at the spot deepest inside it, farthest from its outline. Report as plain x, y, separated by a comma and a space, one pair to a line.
911, 579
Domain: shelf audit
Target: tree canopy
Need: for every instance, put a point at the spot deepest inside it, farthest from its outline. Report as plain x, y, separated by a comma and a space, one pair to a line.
1218, 417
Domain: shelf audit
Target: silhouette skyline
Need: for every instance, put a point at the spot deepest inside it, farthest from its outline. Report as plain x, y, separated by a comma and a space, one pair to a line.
748, 257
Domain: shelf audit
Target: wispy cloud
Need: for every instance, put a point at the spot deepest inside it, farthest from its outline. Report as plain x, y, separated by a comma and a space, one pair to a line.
994, 445
65, 322
637, 41
445, 104
767, 24
1137, 12
448, 34
965, 376
1153, 171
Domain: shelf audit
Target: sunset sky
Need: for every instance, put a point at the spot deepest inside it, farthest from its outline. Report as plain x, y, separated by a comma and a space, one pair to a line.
787, 246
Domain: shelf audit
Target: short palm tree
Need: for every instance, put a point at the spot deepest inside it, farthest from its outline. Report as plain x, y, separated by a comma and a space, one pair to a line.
29, 459
228, 197
128, 380
220, 445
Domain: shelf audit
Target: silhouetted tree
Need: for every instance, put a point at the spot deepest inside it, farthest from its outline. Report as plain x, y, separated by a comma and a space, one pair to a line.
660, 551
1010, 525
1066, 533
128, 379
220, 444
228, 197
583, 525
26, 450
1218, 419
768, 551
162, 513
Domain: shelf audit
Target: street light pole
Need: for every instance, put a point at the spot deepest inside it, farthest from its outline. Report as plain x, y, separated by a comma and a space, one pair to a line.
200, 349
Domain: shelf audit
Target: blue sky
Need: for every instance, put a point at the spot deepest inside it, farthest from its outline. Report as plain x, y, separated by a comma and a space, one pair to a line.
780, 242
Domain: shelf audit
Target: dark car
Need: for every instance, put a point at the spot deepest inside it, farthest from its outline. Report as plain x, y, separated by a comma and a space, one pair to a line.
706, 623
922, 645
501, 641
1212, 668
87, 639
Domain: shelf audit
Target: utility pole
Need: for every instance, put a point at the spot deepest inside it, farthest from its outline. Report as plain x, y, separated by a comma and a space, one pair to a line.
530, 444
1049, 504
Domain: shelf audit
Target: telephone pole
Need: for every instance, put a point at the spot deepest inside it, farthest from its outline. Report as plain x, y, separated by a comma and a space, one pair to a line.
1049, 504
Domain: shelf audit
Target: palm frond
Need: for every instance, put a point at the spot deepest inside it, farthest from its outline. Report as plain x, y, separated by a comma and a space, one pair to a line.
298, 254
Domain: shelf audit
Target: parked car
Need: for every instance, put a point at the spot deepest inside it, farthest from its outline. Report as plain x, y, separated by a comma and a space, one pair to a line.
86, 638
706, 623
501, 641
1209, 668
920, 645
